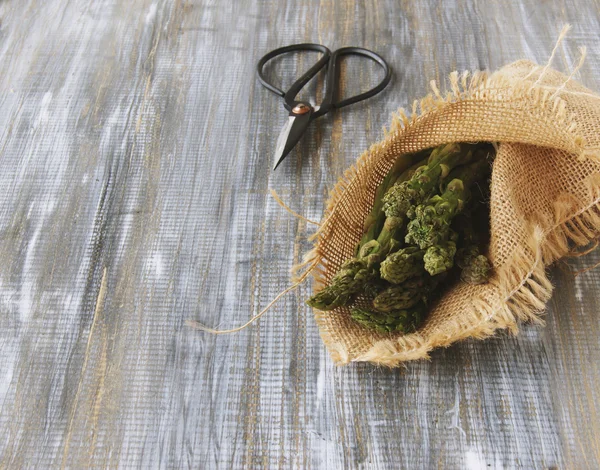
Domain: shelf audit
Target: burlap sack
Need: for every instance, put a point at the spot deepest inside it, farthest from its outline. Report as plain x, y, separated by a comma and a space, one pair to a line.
545, 195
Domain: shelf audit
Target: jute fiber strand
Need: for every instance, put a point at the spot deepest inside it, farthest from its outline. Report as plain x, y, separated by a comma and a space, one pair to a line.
545, 195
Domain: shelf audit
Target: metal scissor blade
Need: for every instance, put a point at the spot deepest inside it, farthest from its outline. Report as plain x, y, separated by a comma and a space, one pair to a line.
290, 135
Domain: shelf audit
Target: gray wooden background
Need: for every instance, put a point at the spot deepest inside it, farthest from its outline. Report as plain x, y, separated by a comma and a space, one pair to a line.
135, 156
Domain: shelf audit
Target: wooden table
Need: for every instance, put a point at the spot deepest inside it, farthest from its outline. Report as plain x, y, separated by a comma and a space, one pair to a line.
135, 156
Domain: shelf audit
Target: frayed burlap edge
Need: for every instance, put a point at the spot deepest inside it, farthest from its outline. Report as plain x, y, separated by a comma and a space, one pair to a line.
521, 286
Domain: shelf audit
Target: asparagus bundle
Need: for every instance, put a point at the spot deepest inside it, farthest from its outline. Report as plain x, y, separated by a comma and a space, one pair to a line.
423, 218
378, 241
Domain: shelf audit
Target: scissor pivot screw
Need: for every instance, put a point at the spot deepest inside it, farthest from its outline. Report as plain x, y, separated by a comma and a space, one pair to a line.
301, 108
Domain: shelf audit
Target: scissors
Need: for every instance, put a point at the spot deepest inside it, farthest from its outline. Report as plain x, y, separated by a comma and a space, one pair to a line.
301, 113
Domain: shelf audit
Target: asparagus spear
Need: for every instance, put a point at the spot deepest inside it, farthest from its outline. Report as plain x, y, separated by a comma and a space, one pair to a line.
405, 321
400, 197
404, 296
478, 271
412, 261
348, 282
408, 294
401, 171
402, 265
431, 223
476, 268
439, 258
387, 230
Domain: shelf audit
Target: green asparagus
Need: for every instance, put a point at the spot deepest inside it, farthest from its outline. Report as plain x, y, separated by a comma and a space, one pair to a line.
403, 321
478, 271
402, 296
431, 223
402, 265
343, 286
475, 267
425, 219
402, 170
400, 197
439, 258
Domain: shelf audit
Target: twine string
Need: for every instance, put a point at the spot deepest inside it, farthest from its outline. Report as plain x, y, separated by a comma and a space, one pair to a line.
290, 210
199, 326
583, 52
298, 282
561, 36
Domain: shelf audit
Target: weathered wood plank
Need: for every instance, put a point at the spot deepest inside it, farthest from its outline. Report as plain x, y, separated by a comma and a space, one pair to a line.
135, 155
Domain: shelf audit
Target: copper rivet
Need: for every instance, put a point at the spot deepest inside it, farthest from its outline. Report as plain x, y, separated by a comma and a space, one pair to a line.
301, 108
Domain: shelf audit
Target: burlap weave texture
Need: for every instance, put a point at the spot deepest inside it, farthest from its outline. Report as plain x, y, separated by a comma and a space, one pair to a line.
545, 189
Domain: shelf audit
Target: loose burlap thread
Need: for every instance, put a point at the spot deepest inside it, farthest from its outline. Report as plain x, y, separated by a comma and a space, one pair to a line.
545, 199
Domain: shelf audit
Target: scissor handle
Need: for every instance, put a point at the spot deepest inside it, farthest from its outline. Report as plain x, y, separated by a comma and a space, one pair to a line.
290, 95
333, 75
333, 79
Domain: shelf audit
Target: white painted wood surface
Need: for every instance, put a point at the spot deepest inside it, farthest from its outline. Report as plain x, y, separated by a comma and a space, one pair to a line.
135, 155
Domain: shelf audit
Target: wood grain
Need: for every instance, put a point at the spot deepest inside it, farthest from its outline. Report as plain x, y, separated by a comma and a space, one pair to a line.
135, 155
